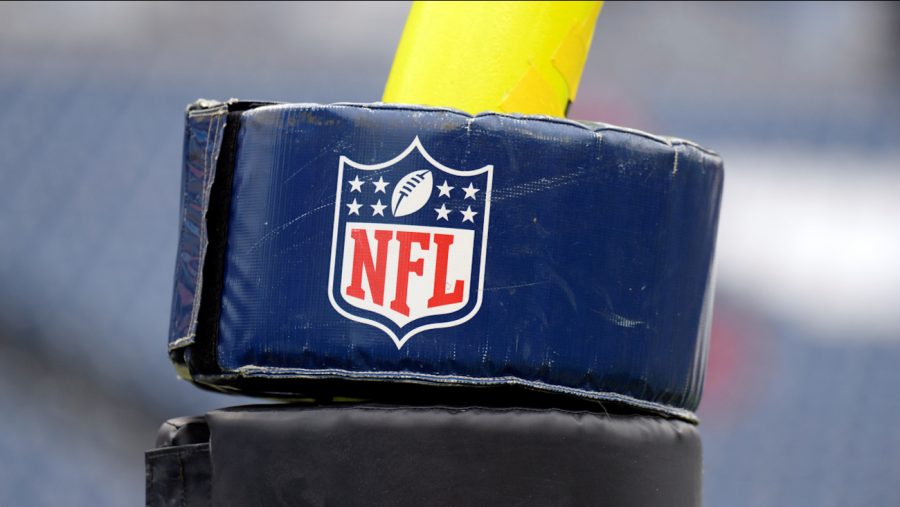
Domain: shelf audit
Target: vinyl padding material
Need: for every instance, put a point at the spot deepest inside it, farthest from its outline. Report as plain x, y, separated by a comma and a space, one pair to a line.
379, 455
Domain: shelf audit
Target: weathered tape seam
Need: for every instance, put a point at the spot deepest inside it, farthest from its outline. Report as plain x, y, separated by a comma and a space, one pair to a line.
300, 373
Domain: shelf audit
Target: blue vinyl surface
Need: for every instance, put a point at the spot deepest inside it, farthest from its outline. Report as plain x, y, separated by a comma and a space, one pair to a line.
202, 140
597, 266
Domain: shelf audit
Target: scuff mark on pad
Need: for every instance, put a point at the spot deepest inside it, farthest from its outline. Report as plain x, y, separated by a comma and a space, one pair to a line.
537, 185
309, 163
516, 286
278, 230
619, 320
675, 163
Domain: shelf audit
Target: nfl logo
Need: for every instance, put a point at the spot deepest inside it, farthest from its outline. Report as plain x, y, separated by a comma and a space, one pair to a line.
409, 243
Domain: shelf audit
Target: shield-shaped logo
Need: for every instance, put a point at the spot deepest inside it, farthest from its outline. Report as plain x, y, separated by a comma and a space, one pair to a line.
409, 244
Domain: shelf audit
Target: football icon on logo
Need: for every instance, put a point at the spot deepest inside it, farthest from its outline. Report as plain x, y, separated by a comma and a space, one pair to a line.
411, 193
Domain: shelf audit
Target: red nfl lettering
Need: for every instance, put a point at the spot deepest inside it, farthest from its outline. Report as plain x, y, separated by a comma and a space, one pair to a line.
407, 266
374, 270
362, 261
440, 296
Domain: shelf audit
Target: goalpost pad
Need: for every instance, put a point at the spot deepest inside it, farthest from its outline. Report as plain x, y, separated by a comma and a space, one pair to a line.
367, 249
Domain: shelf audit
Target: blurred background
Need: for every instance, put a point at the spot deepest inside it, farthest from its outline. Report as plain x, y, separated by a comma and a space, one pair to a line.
801, 99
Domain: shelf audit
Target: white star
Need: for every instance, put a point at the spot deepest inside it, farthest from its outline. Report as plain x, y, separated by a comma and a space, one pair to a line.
470, 191
378, 208
380, 185
469, 214
355, 184
354, 208
443, 212
445, 189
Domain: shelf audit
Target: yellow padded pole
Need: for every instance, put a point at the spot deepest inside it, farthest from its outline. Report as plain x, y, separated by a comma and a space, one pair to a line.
513, 57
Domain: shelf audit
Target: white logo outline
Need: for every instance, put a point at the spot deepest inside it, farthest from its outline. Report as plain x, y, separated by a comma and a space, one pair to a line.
415, 145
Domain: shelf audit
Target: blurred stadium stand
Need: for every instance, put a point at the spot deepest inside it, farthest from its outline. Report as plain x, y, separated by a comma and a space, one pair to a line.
800, 99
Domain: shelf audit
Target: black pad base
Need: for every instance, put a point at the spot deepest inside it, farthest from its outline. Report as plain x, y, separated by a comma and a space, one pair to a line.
377, 455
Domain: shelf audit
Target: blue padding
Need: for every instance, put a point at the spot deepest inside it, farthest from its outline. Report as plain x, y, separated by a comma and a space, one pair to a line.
202, 142
597, 252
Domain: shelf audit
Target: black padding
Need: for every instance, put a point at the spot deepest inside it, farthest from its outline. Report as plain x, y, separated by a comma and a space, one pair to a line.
376, 455
182, 431
178, 476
